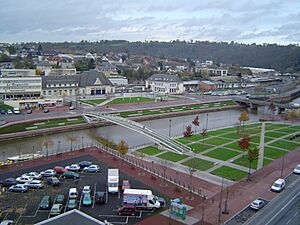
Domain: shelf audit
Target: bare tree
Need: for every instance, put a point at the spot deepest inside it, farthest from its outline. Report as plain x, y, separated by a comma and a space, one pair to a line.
72, 139
47, 143
191, 170
165, 164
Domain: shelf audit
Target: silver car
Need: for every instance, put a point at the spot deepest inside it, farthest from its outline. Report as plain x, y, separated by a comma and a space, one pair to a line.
257, 204
56, 209
34, 175
35, 184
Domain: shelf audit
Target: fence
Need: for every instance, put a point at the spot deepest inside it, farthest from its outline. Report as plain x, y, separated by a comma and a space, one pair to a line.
149, 167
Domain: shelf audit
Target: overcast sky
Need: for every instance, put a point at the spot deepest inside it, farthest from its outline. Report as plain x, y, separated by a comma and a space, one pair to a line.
263, 21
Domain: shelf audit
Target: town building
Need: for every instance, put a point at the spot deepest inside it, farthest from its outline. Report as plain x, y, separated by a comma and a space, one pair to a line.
17, 72
165, 83
90, 82
60, 72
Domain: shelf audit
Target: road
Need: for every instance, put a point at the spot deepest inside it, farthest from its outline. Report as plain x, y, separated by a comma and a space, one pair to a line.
280, 208
292, 217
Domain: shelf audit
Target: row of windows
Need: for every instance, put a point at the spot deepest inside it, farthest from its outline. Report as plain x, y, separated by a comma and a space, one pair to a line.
62, 85
21, 87
20, 81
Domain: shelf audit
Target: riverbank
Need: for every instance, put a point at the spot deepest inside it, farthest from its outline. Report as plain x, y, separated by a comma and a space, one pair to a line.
31, 133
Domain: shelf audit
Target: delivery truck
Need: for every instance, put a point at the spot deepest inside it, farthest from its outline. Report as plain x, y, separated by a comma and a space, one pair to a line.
113, 180
142, 199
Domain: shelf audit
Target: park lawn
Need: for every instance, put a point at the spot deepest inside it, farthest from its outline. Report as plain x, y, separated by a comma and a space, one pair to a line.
295, 127
245, 162
222, 154
272, 126
252, 131
228, 129
199, 164
195, 137
44, 124
150, 150
287, 145
171, 156
229, 173
199, 147
6, 107
296, 139
254, 125
128, 100
287, 130
94, 101
232, 136
256, 139
274, 134
215, 132
216, 141
273, 153
235, 145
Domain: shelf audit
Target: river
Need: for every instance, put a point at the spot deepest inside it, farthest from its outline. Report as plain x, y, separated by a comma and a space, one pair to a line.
60, 142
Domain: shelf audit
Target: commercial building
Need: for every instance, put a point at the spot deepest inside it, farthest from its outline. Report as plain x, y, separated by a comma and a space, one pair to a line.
165, 83
17, 72
87, 83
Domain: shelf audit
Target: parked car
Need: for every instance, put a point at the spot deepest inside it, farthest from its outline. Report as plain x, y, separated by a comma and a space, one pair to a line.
72, 204
7, 222
60, 199
161, 200
45, 203
18, 188
92, 169
29, 111
2, 111
257, 204
53, 181
85, 164
297, 169
9, 112
59, 169
46, 110
100, 197
35, 184
86, 190
34, 175
72, 107
48, 173
9, 182
56, 210
127, 210
73, 167
278, 185
24, 179
71, 175
125, 185
87, 200
73, 193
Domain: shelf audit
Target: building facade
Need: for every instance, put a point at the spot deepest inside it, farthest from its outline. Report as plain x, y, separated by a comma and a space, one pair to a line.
165, 83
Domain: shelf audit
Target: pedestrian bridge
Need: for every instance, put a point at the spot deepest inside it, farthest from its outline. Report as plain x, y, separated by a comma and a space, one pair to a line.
158, 138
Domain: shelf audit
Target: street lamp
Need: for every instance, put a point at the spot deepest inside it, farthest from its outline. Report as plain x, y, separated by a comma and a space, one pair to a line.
170, 123
58, 146
3, 154
206, 126
32, 152
282, 165
82, 142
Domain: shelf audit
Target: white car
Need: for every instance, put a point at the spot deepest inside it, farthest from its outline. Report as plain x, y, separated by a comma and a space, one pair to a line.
48, 173
73, 167
86, 190
92, 169
24, 179
257, 204
34, 175
35, 184
297, 169
278, 185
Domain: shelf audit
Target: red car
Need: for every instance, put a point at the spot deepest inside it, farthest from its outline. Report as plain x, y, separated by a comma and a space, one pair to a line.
59, 169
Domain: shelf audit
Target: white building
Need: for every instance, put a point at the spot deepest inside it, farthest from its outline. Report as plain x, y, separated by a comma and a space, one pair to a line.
165, 83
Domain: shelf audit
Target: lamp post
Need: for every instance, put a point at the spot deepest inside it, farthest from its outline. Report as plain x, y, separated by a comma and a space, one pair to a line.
32, 152
206, 126
3, 155
59, 147
170, 123
282, 165
82, 142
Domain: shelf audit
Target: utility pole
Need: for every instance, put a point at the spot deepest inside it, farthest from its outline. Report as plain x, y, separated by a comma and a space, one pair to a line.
220, 203
282, 166
206, 121
226, 200
170, 123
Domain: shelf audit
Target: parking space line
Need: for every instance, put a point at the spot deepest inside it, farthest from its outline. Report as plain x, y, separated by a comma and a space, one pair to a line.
106, 195
94, 197
67, 203
80, 201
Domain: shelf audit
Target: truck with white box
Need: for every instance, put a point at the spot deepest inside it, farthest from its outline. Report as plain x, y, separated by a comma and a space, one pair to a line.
113, 180
142, 199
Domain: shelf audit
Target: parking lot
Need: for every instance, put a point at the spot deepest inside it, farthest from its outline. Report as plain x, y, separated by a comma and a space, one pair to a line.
23, 208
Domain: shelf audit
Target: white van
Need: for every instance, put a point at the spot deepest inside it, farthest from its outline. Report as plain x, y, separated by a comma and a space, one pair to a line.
73, 193
278, 185
16, 111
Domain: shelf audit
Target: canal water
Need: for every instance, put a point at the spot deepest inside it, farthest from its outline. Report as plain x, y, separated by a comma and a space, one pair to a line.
61, 142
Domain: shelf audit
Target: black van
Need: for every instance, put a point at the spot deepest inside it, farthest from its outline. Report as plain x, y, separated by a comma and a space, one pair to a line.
45, 203
100, 197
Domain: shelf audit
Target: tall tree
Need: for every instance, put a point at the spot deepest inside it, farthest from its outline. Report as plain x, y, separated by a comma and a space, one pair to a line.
196, 122
253, 154
47, 143
122, 148
72, 139
188, 131
244, 143
243, 118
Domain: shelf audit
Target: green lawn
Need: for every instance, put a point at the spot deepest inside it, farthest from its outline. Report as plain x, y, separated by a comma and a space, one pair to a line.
150, 150
244, 162
272, 126
216, 141
287, 145
128, 100
222, 154
186, 140
229, 173
234, 145
215, 132
231, 136
295, 128
171, 156
287, 130
273, 153
256, 139
6, 107
199, 164
94, 101
199, 147
42, 125
274, 134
